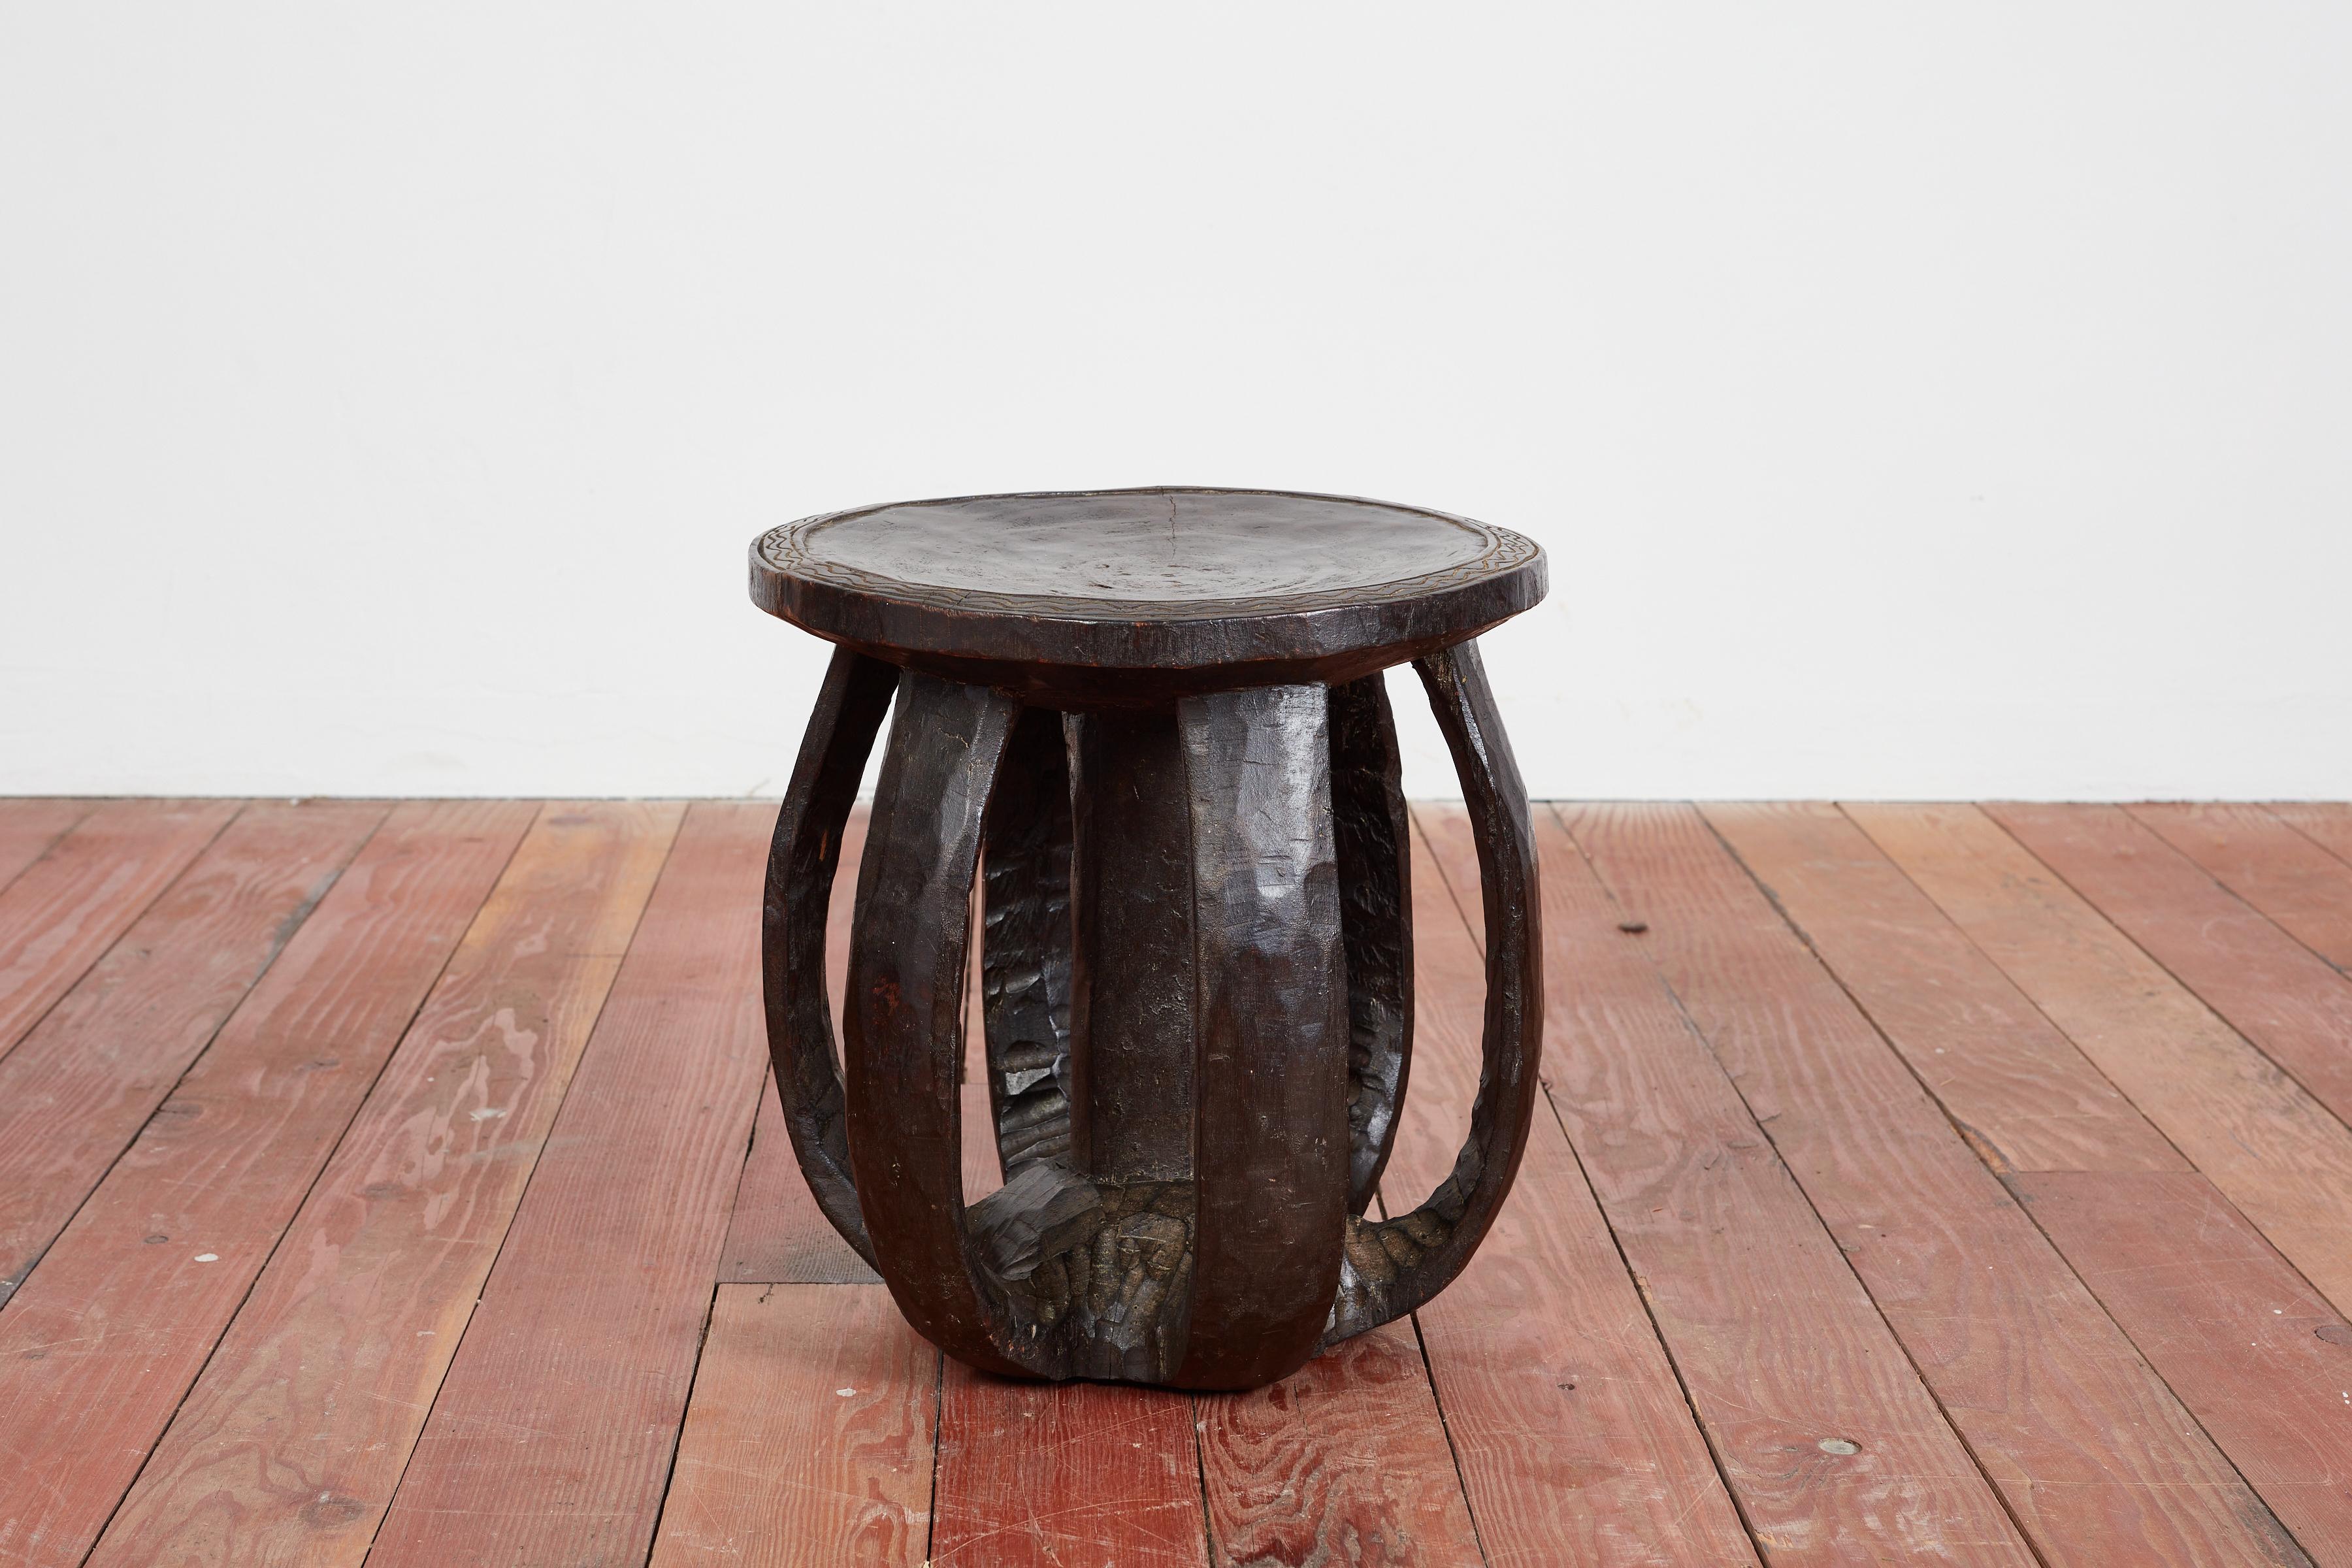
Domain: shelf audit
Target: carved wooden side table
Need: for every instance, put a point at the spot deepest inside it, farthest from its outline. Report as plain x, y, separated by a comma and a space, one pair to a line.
1156, 718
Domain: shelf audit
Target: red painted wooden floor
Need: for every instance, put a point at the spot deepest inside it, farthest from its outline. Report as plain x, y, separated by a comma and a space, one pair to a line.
399, 1183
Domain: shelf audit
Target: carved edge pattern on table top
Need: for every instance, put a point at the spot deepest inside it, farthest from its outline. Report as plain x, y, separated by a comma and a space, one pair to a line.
784, 550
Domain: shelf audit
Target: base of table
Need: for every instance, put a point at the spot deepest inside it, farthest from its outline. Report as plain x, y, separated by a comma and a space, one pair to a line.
1197, 996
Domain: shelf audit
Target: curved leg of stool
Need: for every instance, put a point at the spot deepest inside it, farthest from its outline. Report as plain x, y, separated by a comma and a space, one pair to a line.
1270, 1151
1394, 1266
1026, 946
1133, 1048
904, 1019
1374, 838
801, 865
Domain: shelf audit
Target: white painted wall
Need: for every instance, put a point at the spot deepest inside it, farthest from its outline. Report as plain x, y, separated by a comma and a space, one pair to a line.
1915, 401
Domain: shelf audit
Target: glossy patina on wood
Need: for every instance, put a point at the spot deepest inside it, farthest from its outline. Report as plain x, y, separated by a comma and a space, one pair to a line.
1127, 598
1151, 725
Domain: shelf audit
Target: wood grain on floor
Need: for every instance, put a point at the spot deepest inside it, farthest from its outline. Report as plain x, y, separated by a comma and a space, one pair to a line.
400, 1183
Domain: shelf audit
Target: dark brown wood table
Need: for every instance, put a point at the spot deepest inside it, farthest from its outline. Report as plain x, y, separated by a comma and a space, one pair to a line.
1156, 718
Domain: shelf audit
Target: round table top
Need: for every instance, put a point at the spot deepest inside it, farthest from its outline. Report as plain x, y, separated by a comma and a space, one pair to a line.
1131, 595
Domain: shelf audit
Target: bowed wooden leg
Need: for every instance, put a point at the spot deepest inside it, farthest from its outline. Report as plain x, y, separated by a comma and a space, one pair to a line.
802, 861
1373, 836
1270, 1115
1394, 1266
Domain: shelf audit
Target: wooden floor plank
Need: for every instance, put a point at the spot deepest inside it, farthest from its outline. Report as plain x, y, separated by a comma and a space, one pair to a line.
1044, 1475
28, 827
552, 1435
1575, 1442
2274, 1149
287, 1447
1343, 1461
86, 1078
2018, 1089
2263, 1362
106, 1336
2090, 1447
810, 1344
777, 1234
1536, 1387
67, 907
1780, 1347
2257, 855
809, 1436
2327, 824
2287, 1000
